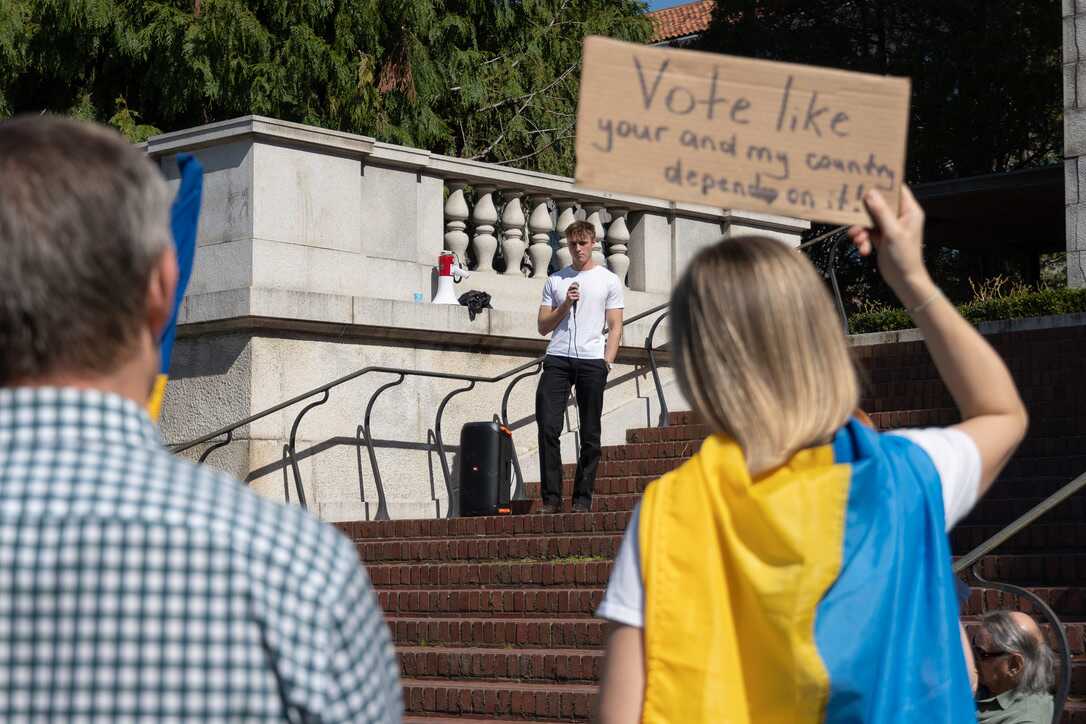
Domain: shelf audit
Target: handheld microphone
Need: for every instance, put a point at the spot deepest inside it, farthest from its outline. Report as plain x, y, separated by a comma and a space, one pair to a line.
577, 286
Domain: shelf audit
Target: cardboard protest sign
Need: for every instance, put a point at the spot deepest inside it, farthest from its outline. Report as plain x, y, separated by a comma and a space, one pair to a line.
738, 133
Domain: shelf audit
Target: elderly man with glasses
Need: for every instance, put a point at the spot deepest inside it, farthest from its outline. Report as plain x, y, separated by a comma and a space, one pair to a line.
1016, 670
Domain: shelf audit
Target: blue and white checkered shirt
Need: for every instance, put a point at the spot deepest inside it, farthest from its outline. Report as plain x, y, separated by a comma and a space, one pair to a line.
135, 586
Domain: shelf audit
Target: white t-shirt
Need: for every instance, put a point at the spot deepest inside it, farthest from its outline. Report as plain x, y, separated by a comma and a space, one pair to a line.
953, 453
580, 334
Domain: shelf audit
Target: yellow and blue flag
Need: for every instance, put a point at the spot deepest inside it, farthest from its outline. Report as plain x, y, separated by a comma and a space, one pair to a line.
184, 217
821, 592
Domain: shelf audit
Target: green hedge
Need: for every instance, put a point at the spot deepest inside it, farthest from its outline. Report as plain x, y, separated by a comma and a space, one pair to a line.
1032, 303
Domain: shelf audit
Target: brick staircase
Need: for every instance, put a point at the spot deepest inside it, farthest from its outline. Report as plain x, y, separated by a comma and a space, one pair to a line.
493, 616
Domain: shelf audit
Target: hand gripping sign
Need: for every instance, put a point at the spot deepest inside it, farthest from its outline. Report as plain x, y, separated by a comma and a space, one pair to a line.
737, 133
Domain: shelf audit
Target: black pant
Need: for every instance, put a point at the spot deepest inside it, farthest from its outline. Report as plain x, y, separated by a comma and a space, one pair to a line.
588, 377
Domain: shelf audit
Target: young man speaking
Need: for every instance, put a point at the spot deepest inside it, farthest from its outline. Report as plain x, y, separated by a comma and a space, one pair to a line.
577, 302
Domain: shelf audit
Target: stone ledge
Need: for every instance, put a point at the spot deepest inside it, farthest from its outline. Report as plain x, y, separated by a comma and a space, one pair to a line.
998, 326
263, 128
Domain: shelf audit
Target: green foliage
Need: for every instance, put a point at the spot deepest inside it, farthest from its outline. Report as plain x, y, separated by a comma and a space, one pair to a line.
989, 304
986, 93
495, 80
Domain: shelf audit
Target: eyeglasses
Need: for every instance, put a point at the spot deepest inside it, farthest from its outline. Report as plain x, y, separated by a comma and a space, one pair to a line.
983, 655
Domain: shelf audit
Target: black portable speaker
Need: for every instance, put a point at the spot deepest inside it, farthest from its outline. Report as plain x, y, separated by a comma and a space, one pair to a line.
486, 460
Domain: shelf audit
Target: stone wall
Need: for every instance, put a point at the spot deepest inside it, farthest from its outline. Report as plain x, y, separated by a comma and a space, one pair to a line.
1074, 136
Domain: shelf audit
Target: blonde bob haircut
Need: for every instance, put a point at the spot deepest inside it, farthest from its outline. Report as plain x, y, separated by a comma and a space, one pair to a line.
758, 349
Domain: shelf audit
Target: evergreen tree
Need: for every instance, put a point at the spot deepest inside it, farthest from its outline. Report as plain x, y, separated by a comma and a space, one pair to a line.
494, 80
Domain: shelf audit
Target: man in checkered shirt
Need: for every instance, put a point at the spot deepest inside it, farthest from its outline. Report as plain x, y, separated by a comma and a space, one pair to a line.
135, 586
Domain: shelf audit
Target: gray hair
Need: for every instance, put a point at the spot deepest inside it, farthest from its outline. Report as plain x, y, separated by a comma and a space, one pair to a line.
1039, 669
84, 216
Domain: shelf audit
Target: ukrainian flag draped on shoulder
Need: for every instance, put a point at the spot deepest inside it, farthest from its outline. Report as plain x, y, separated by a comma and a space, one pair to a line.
184, 216
820, 592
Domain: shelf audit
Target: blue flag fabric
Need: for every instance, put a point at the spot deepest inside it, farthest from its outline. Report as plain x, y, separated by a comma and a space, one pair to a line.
184, 219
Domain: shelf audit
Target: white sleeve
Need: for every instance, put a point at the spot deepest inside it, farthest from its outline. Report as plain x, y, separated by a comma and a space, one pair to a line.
614, 294
548, 294
624, 601
957, 460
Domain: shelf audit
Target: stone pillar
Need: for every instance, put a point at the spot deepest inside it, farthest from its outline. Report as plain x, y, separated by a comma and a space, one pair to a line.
618, 239
512, 231
1074, 138
540, 225
568, 209
484, 216
650, 252
456, 216
594, 218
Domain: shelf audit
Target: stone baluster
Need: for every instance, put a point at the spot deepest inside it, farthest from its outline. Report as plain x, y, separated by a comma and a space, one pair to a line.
512, 231
593, 218
618, 240
540, 224
484, 216
456, 216
567, 215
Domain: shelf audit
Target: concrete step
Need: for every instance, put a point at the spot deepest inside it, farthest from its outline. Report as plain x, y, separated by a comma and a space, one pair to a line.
518, 701
528, 665
554, 602
501, 525
496, 631
495, 548
498, 574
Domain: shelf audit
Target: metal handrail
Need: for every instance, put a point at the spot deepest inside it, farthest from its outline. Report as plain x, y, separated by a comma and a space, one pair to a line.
969, 563
364, 431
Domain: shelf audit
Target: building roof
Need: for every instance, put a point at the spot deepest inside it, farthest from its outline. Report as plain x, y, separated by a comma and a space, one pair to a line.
681, 21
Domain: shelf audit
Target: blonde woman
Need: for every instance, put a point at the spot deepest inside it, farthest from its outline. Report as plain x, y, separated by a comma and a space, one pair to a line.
797, 569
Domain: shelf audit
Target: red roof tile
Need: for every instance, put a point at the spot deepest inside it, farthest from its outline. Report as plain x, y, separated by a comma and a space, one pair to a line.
681, 20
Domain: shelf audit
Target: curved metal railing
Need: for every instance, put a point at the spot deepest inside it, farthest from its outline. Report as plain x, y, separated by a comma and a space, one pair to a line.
363, 433
968, 564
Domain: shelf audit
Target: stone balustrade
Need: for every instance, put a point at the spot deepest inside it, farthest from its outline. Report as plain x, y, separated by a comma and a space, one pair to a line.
316, 257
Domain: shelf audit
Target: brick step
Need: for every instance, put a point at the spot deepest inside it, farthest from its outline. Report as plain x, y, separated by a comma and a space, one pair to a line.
1023, 569
501, 525
497, 632
600, 503
1066, 466
1037, 487
886, 417
491, 575
650, 450
628, 468
447, 719
511, 700
673, 433
539, 665
683, 417
603, 486
1005, 510
1051, 538
1064, 600
536, 547
555, 602
1074, 712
